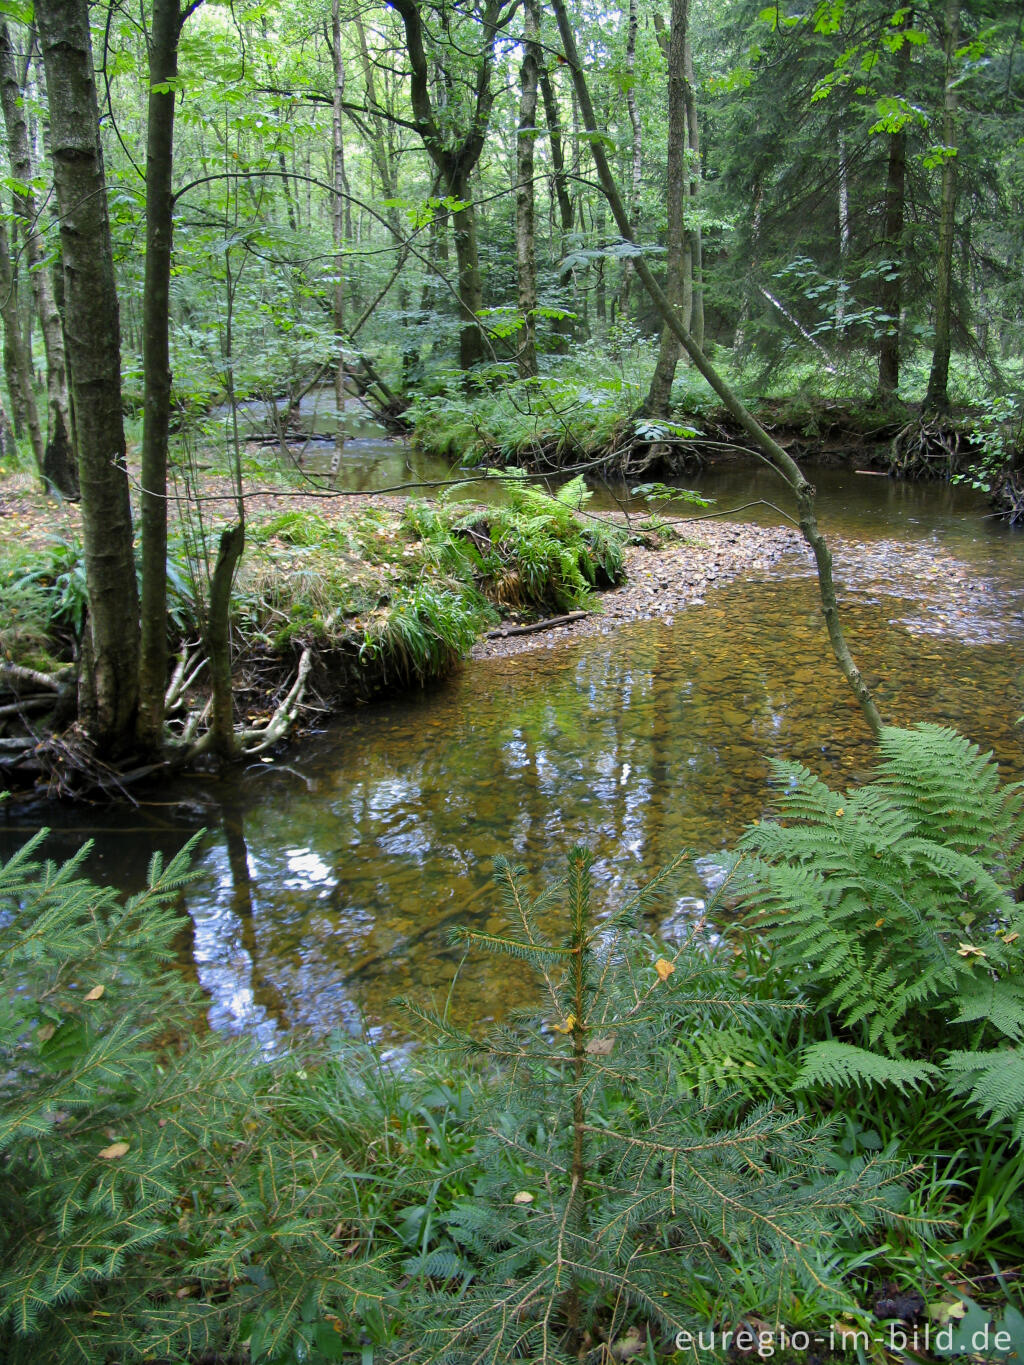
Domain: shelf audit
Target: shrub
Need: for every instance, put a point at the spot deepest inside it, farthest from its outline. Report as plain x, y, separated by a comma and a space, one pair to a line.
612, 1200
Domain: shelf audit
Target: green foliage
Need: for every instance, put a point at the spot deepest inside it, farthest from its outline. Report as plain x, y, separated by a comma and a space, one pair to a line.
893, 907
421, 633
149, 1207
612, 1193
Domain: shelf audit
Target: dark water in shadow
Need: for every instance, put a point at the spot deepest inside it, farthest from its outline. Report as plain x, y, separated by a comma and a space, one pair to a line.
327, 880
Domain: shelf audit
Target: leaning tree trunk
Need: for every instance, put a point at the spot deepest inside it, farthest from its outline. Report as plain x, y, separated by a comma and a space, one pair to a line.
94, 351
526, 258
784, 464
58, 455
656, 403
937, 398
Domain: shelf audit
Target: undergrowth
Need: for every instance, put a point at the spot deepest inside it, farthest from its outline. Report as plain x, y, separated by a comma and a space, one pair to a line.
663, 1144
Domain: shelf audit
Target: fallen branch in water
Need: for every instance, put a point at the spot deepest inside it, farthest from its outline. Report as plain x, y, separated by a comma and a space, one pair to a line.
551, 623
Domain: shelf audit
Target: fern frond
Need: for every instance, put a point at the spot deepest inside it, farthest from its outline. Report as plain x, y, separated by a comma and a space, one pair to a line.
994, 1080
838, 1064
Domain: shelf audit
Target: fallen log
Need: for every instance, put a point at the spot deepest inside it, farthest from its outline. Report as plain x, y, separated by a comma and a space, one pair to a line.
551, 623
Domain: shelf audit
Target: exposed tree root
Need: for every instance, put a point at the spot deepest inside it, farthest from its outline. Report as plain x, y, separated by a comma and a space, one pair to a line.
1008, 497
926, 448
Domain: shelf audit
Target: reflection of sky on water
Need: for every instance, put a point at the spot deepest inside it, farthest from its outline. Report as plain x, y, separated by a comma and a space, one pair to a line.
401, 813
331, 881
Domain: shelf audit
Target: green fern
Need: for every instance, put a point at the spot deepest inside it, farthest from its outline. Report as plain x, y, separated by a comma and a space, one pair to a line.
839, 1064
893, 906
995, 1082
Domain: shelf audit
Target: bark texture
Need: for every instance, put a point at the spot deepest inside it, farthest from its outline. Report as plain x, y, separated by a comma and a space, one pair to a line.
94, 352
59, 462
163, 70
455, 156
937, 398
526, 260
890, 294
679, 263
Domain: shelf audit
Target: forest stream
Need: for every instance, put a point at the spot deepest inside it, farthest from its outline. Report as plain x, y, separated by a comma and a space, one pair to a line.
329, 877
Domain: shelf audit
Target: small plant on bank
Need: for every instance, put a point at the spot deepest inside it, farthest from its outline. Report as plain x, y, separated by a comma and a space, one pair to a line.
615, 1199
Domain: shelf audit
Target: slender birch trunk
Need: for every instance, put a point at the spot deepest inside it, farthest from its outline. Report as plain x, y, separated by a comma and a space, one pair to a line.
59, 454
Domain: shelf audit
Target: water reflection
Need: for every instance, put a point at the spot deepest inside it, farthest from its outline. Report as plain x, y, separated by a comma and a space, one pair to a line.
329, 882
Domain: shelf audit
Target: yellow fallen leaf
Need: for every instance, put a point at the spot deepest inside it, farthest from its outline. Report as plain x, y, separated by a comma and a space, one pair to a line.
523, 1197
46, 1032
112, 1152
664, 968
567, 1027
95, 993
879, 923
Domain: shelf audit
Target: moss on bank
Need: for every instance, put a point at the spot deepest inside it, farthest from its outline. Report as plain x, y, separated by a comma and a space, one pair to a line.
370, 598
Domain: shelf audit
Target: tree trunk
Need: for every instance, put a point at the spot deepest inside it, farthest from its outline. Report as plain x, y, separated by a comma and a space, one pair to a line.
223, 741
59, 455
163, 70
563, 326
338, 220
937, 399
693, 233
891, 289
844, 236
626, 281
783, 463
94, 354
656, 403
455, 157
18, 359
472, 344
526, 260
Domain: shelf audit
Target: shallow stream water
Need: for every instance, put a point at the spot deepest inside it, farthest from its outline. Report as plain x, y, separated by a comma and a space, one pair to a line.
328, 879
